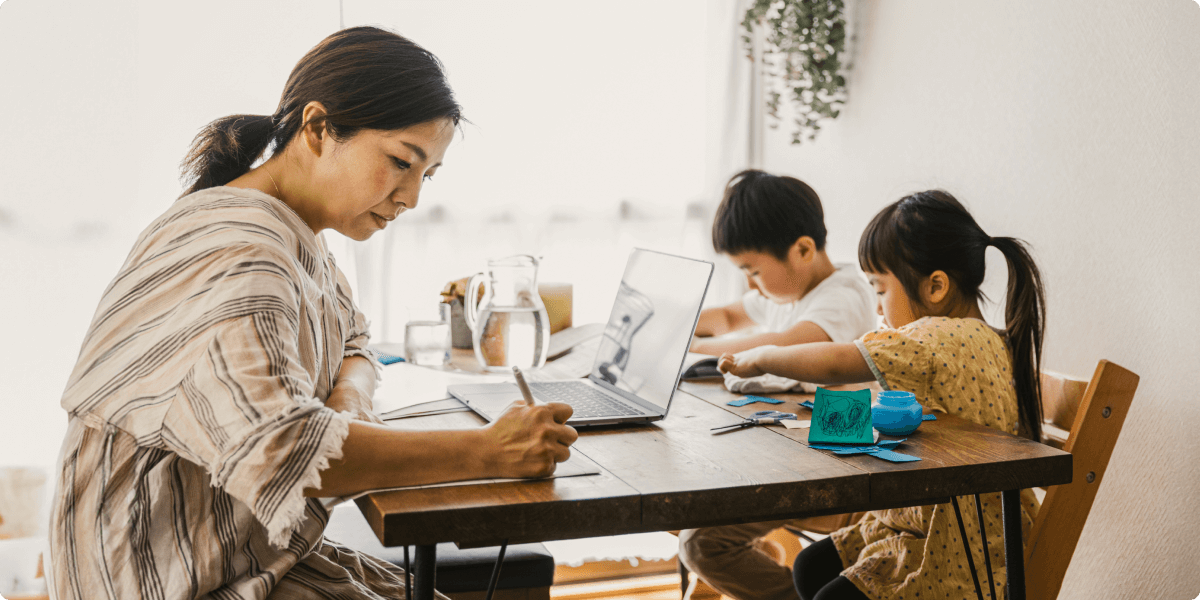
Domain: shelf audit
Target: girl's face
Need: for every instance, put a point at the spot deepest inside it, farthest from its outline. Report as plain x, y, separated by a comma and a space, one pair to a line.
363, 183
894, 303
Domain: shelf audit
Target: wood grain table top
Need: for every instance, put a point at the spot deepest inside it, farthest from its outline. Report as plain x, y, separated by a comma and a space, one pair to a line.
676, 474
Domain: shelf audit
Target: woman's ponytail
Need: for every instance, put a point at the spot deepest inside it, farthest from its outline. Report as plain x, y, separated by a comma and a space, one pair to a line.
1024, 323
365, 77
225, 149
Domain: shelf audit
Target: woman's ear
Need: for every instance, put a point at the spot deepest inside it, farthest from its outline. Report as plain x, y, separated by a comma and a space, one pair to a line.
935, 289
314, 132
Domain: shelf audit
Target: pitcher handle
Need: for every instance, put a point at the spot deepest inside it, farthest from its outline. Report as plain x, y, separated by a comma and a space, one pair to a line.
471, 300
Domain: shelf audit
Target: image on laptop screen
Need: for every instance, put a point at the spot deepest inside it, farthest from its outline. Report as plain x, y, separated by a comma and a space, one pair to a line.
651, 325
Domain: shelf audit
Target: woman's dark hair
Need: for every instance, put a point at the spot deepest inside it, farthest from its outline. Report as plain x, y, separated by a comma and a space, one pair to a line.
761, 212
366, 77
931, 231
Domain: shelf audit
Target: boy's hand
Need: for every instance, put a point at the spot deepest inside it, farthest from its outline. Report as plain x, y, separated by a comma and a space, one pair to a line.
742, 364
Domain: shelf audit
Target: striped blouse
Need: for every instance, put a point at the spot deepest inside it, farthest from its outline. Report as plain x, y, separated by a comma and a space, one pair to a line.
197, 417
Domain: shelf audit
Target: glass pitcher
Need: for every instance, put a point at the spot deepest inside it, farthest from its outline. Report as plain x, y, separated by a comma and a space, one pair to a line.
509, 324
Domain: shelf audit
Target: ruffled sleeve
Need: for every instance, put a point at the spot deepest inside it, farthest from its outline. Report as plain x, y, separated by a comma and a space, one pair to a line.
245, 407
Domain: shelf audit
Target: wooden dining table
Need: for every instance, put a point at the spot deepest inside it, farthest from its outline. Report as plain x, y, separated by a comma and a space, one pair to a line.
677, 474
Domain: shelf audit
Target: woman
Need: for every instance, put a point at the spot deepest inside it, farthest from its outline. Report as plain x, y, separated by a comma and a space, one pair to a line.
225, 382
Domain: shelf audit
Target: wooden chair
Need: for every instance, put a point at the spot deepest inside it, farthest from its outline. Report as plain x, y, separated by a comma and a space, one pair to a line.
1083, 418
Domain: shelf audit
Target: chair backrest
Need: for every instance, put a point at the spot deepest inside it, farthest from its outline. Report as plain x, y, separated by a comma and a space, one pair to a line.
1085, 420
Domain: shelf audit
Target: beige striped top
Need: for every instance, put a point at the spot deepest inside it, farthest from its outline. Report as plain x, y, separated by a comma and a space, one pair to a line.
197, 415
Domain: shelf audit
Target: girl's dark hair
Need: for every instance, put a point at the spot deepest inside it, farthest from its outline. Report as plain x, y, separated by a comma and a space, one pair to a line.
931, 231
366, 77
762, 212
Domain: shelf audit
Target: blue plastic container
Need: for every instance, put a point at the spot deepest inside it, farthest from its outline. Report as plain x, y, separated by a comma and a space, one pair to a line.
898, 413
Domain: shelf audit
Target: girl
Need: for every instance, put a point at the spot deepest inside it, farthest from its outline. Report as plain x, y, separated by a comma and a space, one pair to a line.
924, 255
225, 382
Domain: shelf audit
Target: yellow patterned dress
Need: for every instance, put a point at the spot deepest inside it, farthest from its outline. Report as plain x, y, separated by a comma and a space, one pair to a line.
955, 366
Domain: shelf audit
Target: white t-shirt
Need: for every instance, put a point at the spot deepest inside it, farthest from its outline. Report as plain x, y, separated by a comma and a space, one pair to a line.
843, 306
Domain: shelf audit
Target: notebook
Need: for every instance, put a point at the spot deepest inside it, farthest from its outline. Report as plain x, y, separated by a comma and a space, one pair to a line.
639, 357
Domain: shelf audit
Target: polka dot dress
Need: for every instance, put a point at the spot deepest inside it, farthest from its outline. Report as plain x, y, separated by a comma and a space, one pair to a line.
955, 366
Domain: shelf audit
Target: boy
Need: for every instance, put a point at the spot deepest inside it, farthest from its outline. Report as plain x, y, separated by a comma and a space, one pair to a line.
773, 228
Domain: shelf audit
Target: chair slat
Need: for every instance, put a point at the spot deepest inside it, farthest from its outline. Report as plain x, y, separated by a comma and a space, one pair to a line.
1096, 425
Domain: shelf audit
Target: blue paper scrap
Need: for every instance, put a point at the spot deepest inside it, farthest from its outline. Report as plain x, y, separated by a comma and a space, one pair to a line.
385, 358
841, 417
807, 404
891, 456
881, 450
753, 399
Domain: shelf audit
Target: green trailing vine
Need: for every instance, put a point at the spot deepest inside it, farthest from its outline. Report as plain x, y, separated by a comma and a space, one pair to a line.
805, 41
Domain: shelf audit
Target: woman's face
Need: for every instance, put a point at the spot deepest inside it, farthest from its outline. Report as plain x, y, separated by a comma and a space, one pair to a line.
363, 183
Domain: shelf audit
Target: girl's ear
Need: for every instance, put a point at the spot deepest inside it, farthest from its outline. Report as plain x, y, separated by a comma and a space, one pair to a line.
936, 288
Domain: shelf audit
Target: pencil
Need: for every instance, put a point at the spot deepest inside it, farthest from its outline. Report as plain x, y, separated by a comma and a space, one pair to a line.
524, 386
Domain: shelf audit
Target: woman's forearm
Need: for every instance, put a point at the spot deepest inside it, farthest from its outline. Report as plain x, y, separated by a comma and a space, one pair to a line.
820, 362
526, 441
378, 456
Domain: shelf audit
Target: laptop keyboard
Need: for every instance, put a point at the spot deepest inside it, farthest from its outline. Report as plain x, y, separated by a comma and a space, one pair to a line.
585, 399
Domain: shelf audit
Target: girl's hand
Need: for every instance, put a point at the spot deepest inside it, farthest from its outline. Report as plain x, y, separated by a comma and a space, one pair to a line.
738, 364
529, 441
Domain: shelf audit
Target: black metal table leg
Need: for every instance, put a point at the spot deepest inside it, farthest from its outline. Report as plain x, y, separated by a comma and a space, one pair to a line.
1014, 548
424, 572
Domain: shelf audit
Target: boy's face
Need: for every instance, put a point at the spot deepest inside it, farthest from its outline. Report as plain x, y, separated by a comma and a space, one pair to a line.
781, 281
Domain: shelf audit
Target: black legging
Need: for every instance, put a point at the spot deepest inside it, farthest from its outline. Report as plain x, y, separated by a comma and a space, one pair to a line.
817, 574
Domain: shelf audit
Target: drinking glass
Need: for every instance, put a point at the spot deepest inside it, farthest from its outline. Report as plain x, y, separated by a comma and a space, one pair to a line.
427, 343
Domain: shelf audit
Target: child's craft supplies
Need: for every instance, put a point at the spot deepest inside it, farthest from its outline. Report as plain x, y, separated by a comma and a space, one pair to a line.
897, 413
753, 399
762, 417
841, 417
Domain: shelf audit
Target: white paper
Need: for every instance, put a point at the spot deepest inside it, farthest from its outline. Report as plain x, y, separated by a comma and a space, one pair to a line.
404, 385
791, 424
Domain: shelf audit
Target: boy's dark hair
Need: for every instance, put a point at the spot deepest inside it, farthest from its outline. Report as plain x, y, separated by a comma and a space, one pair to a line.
767, 213
932, 231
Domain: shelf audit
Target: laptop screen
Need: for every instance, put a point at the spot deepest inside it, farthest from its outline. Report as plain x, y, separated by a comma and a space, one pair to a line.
650, 329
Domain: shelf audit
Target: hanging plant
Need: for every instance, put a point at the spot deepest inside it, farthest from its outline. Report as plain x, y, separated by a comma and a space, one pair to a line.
804, 43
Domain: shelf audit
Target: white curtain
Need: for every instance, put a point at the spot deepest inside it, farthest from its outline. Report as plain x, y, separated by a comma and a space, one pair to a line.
617, 128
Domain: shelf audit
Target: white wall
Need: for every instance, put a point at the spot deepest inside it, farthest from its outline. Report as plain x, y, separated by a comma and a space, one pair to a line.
1073, 125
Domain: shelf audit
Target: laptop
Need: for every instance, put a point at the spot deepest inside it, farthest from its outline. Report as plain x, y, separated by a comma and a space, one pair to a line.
639, 357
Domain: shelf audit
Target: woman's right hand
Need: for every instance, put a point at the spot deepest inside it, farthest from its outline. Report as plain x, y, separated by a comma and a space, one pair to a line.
529, 441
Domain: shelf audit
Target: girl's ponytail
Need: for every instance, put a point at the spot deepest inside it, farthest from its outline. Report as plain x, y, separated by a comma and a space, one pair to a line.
1024, 323
225, 149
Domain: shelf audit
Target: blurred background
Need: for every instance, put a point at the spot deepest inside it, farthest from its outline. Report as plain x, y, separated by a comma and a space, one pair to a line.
598, 127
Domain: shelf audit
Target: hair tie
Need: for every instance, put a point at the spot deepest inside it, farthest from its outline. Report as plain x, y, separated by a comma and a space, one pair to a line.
274, 120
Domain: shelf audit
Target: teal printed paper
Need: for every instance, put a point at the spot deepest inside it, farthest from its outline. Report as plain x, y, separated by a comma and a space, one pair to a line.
841, 417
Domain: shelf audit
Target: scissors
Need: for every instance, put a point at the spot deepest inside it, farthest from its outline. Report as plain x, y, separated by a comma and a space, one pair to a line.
762, 417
